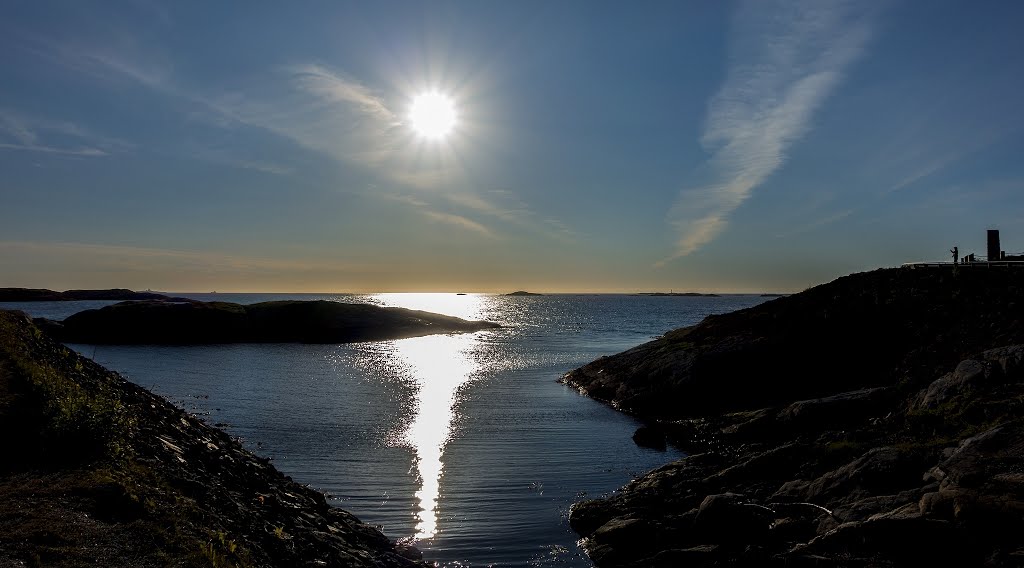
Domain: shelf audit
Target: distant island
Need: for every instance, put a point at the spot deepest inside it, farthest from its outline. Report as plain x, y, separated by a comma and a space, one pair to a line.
523, 293
43, 295
696, 294
872, 421
194, 322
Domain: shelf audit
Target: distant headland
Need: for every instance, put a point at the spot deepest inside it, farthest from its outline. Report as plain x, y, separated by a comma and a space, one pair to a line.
44, 295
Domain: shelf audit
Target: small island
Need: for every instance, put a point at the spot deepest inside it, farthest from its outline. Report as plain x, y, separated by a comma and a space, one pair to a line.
161, 322
671, 294
523, 293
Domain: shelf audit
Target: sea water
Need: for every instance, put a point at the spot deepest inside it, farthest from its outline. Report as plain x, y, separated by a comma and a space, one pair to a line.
465, 444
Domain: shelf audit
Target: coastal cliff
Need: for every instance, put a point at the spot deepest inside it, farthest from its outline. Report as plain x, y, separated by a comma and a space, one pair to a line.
98, 471
871, 421
194, 322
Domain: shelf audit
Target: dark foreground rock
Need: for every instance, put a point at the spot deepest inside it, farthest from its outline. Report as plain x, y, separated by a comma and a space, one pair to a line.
43, 295
193, 322
874, 421
100, 472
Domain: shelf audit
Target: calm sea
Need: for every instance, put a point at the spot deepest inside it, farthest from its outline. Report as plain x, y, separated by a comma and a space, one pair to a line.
464, 443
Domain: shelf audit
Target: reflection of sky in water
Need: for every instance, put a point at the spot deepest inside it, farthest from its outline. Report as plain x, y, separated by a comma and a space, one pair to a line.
439, 366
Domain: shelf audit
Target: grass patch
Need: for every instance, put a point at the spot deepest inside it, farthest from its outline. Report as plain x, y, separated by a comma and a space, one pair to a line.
223, 552
69, 422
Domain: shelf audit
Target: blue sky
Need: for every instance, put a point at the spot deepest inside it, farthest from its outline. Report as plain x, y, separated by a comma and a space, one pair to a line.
712, 146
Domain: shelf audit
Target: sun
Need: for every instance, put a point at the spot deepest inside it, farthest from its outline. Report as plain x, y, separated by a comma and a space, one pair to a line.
432, 115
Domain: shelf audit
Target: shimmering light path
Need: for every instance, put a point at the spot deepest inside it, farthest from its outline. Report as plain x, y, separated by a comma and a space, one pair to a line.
441, 366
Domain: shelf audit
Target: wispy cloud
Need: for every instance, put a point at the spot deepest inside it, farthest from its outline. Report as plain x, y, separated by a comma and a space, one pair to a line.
787, 57
332, 86
119, 57
499, 207
22, 132
426, 210
459, 221
319, 109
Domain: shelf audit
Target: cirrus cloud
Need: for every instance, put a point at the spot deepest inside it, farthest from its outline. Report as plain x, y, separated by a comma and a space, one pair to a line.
787, 58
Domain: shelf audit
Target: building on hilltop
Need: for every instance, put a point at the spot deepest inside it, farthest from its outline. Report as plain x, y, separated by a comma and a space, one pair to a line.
995, 257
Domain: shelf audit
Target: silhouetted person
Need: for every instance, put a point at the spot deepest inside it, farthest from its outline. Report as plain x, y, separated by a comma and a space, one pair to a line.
956, 254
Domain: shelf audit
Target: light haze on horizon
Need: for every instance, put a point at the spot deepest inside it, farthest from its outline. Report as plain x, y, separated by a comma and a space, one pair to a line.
598, 147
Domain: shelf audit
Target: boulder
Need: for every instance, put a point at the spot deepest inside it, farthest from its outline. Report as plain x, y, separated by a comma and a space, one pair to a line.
650, 437
729, 518
878, 471
837, 410
988, 369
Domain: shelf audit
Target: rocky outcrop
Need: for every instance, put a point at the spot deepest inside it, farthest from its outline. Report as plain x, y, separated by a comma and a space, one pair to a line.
861, 331
193, 322
912, 457
98, 471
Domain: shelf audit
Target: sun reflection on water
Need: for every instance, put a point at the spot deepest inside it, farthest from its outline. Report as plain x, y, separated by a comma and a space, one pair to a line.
465, 306
439, 365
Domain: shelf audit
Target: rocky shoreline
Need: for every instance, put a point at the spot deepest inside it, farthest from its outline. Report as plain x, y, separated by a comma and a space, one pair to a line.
877, 420
103, 472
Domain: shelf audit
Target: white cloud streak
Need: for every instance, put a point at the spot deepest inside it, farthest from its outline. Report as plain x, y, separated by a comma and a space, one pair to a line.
21, 132
787, 57
459, 221
318, 109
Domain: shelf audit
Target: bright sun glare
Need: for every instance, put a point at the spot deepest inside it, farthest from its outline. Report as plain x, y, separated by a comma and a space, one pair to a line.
432, 115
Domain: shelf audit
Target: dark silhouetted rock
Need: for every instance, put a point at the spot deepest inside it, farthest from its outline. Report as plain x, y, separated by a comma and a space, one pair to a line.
860, 331
873, 421
192, 322
650, 437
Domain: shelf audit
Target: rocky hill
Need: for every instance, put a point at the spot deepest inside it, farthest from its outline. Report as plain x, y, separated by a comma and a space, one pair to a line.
100, 472
877, 420
194, 322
